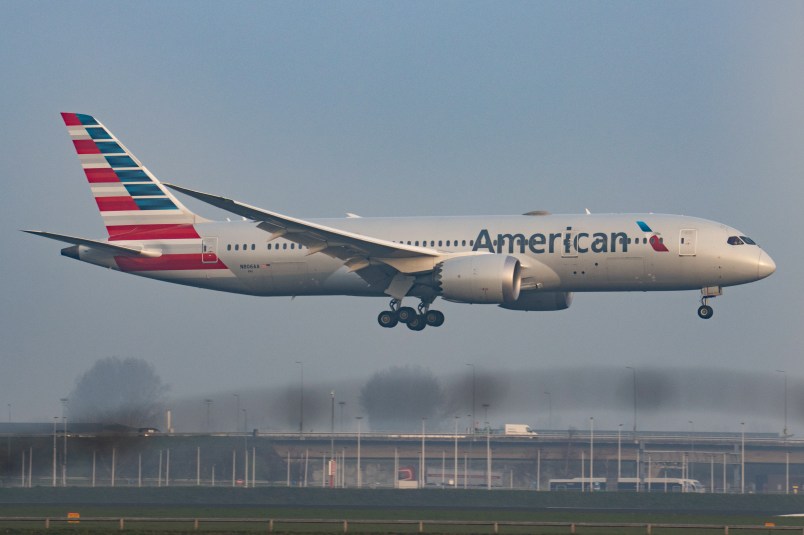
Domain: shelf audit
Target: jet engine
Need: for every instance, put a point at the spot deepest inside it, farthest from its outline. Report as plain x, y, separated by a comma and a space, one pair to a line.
542, 301
487, 278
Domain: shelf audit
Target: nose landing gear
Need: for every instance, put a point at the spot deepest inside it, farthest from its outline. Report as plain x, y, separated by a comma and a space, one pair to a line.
705, 311
416, 320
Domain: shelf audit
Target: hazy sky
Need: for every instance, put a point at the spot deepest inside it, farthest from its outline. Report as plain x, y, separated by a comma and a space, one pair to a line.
409, 108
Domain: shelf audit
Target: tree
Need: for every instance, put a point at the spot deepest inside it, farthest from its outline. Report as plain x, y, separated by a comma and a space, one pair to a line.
398, 398
120, 391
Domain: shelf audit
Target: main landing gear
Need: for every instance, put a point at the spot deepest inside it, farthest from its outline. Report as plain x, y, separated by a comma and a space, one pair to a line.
416, 320
705, 311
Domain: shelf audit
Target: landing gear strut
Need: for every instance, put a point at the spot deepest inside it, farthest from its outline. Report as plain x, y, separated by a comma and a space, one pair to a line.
705, 311
416, 319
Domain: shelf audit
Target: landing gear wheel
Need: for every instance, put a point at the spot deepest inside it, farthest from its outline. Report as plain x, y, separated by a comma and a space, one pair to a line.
434, 318
388, 319
417, 323
405, 313
705, 312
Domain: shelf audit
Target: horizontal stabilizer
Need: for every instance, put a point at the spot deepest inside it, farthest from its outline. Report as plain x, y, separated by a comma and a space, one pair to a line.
95, 244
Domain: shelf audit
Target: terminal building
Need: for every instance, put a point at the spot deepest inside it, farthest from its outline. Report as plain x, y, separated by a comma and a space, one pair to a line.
618, 461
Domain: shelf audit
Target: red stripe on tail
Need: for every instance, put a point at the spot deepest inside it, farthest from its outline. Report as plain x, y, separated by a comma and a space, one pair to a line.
116, 204
152, 232
170, 262
86, 146
71, 119
103, 174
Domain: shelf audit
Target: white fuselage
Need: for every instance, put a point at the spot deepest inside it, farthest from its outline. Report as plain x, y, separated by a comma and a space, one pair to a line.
568, 253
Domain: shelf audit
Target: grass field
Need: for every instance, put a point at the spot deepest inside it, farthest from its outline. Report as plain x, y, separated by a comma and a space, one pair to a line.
376, 505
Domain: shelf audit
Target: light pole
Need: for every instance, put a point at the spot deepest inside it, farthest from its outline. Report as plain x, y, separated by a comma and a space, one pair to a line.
591, 452
301, 398
742, 458
422, 479
619, 452
784, 432
341, 403
55, 422
209, 405
359, 475
549, 410
635, 399
332, 439
455, 480
237, 413
474, 392
245, 420
691, 468
64, 457
486, 416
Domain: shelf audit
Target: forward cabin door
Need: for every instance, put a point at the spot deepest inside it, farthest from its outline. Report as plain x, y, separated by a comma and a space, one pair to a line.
686, 241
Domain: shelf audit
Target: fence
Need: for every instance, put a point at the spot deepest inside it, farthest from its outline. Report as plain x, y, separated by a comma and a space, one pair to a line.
344, 526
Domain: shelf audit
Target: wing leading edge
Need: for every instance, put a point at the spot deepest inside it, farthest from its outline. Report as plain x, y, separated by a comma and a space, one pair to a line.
358, 251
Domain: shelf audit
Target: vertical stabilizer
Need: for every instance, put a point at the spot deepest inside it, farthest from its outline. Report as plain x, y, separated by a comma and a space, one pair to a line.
132, 202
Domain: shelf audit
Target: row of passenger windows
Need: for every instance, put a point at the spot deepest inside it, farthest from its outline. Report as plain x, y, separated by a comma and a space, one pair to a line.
441, 243
454, 243
253, 247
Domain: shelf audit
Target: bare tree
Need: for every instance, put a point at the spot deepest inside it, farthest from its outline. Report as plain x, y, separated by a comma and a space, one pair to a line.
399, 397
121, 391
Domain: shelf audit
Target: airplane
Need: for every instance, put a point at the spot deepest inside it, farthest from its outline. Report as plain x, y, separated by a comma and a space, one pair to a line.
531, 262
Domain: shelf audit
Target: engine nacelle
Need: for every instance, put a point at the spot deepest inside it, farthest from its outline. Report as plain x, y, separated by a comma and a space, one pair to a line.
487, 278
541, 301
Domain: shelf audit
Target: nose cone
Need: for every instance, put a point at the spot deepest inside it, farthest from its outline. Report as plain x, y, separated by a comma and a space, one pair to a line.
765, 266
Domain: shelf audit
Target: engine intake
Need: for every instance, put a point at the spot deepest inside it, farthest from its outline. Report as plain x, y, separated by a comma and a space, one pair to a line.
486, 278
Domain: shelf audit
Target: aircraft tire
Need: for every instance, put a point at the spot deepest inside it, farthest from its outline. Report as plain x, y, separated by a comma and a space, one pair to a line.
405, 313
417, 323
705, 312
435, 318
387, 319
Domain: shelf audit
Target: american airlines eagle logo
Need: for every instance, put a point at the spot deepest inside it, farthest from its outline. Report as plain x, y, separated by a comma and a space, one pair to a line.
655, 238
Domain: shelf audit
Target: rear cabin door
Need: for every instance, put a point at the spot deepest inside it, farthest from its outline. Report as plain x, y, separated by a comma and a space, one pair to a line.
209, 250
686, 242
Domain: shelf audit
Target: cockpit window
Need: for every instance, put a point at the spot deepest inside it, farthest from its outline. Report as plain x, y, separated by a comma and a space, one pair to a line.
748, 240
734, 240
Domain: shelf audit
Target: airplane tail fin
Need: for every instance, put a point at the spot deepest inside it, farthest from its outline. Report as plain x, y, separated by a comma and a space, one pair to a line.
132, 201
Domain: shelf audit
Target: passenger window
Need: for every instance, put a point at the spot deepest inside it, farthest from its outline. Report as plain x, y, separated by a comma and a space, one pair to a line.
269, 246
447, 243
253, 246
229, 247
237, 247
292, 245
644, 240
417, 243
463, 243
471, 243
439, 243
284, 246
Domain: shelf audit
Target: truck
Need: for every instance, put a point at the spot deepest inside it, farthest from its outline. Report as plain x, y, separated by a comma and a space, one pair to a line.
521, 430
583, 484
660, 484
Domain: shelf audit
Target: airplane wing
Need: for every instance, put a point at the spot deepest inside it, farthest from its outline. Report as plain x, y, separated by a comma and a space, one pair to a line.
95, 244
357, 250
